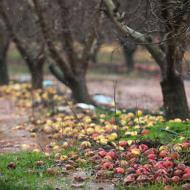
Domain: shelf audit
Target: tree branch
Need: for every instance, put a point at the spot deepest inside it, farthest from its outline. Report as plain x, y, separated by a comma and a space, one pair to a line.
153, 49
67, 37
57, 73
14, 37
47, 37
91, 37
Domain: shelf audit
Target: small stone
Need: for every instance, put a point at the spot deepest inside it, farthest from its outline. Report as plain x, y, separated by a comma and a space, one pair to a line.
77, 185
186, 186
11, 165
168, 187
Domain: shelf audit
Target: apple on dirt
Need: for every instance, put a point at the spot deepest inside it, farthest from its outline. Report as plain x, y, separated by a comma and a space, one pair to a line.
119, 170
107, 166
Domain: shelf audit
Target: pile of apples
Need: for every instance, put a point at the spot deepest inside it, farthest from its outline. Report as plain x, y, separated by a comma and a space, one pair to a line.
139, 164
24, 94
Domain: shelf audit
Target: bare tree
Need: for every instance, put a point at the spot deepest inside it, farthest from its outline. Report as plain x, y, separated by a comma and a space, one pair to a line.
22, 26
168, 54
4, 45
71, 64
129, 48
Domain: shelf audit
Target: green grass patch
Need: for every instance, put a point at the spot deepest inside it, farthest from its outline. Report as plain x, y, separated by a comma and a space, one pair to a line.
26, 175
148, 187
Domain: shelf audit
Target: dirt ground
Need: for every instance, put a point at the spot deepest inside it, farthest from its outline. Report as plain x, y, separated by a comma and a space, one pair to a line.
131, 92
134, 92
13, 135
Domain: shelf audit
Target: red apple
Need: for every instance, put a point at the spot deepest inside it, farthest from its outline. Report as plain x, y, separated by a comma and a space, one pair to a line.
174, 155
163, 153
142, 178
130, 170
145, 132
186, 186
159, 165
107, 166
129, 179
108, 157
176, 179
119, 170
151, 156
124, 163
168, 164
186, 176
111, 154
123, 143
163, 179
161, 172
149, 151
187, 170
143, 147
181, 166
178, 172
136, 166
102, 153
186, 145
167, 158
147, 166
141, 171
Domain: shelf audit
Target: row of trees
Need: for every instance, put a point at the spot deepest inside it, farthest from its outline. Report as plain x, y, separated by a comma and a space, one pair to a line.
50, 31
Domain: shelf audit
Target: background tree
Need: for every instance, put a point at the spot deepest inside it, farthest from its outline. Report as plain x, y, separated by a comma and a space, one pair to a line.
23, 28
129, 49
4, 45
173, 18
61, 31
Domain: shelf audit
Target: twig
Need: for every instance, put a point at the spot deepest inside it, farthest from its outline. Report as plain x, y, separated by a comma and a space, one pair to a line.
115, 102
170, 131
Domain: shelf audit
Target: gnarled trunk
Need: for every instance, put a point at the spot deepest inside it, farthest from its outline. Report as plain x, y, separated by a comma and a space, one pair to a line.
76, 83
37, 77
173, 89
4, 45
129, 49
174, 97
79, 89
36, 70
4, 76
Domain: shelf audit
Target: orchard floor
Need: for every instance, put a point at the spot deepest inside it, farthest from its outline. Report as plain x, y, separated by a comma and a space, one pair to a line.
14, 135
132, 91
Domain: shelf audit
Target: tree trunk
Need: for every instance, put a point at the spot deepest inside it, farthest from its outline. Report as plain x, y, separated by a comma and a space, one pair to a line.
129, 50
79, 90
36, 72
174, 97
4, 77
4, 45
95, 50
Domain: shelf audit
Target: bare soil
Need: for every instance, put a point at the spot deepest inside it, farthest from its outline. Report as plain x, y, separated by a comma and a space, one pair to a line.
132, 92
12, 139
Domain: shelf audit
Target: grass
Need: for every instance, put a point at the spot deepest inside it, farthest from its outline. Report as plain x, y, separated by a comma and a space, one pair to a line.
149, 187
169, 132
26, 175
29, 176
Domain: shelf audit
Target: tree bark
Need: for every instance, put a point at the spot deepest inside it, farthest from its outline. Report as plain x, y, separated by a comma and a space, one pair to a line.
4, 45
4, 76
35, 67
174, 97
79, 89
129, 51
37, 76
169, 61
